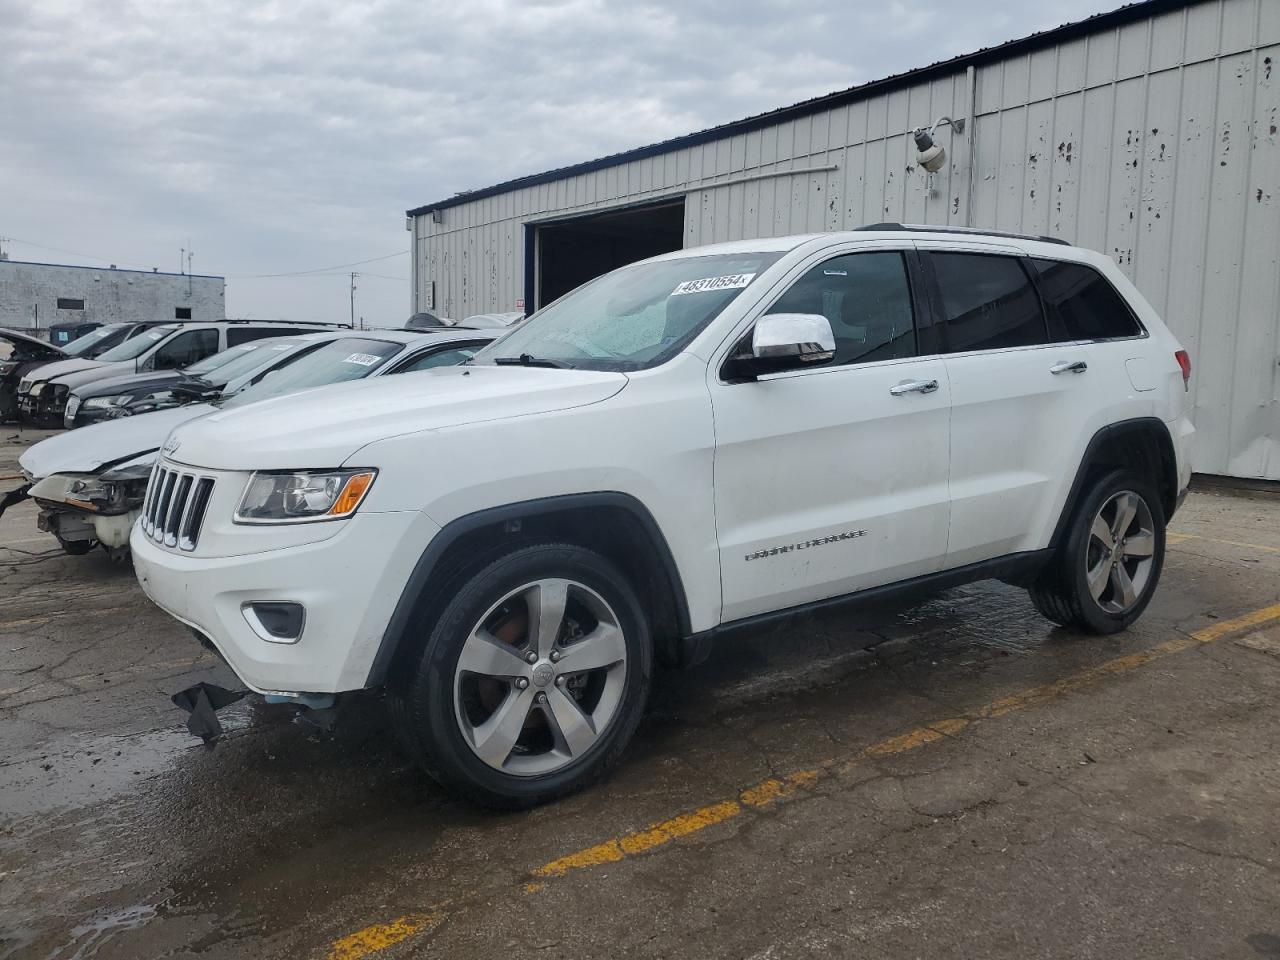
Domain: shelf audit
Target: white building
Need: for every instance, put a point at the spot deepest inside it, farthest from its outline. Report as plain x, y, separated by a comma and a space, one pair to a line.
38, 295
1149, 133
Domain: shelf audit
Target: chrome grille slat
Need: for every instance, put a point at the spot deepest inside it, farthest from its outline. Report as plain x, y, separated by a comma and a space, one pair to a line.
177, 500
162, 502
175, 505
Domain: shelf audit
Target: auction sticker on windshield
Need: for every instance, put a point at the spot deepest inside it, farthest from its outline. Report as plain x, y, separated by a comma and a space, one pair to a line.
364, 359
734, 281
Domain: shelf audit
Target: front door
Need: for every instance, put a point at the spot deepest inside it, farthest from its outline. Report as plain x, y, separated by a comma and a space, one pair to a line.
834, 479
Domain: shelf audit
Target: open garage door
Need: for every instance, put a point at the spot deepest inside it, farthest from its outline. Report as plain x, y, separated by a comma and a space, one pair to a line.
568, 253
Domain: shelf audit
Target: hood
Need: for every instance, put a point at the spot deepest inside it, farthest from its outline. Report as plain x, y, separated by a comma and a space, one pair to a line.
325, 426
85, 450
58, 368
91, 372
129, 383
31, 345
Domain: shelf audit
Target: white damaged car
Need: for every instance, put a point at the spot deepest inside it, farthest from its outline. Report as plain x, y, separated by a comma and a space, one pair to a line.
89, 483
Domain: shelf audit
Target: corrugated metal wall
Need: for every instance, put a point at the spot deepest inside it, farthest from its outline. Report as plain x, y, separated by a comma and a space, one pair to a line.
1155, 142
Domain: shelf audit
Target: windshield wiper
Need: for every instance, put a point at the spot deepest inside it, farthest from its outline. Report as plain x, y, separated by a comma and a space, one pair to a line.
527, 360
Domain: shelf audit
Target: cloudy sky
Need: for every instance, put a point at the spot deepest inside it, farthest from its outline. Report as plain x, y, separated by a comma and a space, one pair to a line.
280, 137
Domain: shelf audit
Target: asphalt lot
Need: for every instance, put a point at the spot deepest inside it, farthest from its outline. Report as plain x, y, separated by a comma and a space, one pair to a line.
954, 780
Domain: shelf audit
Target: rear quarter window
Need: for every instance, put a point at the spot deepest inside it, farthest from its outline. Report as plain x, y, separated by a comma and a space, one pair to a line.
1088, 307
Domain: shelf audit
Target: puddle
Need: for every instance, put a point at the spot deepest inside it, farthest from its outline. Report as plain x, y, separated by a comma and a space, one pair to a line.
88, 938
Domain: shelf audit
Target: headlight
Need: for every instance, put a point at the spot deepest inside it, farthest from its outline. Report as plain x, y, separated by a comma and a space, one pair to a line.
299, 496
103, 403
37, 389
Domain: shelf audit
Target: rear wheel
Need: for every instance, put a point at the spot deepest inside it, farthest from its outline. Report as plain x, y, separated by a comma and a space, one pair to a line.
531, 680
1106, 570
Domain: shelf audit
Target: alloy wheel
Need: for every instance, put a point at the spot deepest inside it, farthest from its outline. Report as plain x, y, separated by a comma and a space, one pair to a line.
540, 677
1119, 558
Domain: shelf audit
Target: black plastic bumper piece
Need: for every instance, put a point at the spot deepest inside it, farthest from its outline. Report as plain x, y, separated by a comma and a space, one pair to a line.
201, 703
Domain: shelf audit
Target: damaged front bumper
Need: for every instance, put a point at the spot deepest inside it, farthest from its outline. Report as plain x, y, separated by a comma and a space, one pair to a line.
91, 508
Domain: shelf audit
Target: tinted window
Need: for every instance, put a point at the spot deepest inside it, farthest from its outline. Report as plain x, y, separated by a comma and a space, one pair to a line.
1087, 305
867, 300
182, 313
67, 303
988, 302
239, 335
440, 358
186, 348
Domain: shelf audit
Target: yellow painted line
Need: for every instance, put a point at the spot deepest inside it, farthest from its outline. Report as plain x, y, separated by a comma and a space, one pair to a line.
379, 936
1181, 537
370, 940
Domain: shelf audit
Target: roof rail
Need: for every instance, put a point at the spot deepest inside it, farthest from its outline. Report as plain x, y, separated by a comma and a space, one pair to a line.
307, 323
929, 228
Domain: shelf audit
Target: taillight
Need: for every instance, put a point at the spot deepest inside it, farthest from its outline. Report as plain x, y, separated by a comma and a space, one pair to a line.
1184, 361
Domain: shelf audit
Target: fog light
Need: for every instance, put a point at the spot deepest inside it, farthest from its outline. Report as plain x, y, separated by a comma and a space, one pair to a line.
276, 621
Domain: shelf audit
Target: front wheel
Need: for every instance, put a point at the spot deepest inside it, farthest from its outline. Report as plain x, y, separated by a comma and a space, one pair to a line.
1105, 572
531, 680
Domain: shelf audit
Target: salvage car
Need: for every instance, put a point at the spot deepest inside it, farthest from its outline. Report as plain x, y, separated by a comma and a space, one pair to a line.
89, 483
136, 393
19, 354
43, 395
697, 443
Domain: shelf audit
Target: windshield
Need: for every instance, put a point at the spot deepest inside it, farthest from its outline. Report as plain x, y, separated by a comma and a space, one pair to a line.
251, 357
83, 346
134, 348
350, 358
633, 318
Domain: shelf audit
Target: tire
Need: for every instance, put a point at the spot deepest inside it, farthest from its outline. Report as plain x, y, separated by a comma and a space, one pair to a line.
1066, 593
577, 716
77, 548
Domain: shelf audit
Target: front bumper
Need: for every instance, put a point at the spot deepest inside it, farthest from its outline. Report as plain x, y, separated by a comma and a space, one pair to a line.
349, 584
42, 406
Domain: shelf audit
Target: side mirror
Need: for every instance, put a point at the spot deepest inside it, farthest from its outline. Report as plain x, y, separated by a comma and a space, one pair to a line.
785, 341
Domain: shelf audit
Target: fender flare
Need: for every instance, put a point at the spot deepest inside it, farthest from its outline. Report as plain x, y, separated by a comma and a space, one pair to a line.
451, 532
1104, 435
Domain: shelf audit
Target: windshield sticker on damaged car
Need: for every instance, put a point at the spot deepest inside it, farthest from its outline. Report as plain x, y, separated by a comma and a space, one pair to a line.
364, 359
734, 281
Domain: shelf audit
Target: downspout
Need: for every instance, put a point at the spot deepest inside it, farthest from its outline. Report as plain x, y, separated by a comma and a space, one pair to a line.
972, 75
411, 224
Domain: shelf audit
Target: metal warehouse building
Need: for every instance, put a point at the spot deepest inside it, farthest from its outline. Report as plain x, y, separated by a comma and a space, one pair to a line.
1149, 133
34, 296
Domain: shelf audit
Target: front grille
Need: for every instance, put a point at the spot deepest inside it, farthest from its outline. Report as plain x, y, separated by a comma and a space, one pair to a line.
175, 506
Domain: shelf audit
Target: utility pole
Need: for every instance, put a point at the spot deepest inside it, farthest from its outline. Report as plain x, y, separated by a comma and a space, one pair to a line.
182, 259
190, 256
352, 324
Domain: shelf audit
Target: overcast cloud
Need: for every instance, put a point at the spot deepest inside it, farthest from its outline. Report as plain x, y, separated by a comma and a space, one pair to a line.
286, 136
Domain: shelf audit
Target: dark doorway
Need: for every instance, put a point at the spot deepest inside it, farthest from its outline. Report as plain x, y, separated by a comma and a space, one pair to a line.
574, 251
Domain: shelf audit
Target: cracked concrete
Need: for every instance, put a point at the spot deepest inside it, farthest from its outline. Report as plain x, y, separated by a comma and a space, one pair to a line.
1131, 817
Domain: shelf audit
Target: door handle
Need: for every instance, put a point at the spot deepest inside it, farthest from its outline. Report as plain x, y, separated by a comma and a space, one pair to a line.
1069, 366
913, 386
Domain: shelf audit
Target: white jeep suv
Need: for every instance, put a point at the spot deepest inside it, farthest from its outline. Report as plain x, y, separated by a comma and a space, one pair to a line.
685, 446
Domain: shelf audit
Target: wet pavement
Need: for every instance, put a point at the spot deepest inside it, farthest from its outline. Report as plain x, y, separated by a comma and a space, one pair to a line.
953, 780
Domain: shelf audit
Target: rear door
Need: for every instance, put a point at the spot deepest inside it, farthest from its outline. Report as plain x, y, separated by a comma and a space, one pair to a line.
833, 479
1019, 400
